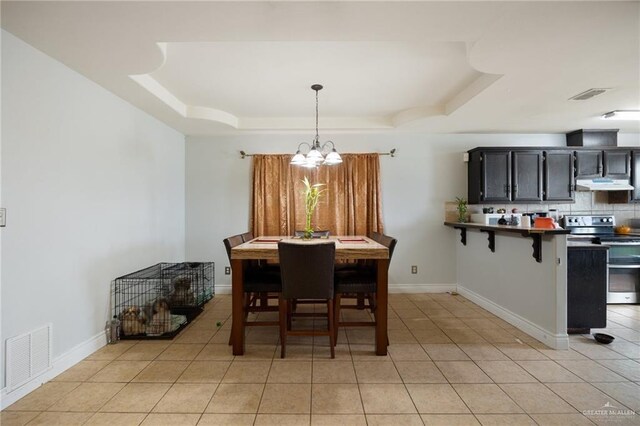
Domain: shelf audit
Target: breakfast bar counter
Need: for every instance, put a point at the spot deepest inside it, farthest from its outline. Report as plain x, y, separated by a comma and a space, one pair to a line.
495, 270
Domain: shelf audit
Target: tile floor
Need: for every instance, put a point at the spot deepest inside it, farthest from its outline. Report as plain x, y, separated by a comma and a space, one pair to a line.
450, 362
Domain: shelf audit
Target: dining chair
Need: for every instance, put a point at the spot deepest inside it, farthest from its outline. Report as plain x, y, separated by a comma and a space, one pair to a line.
307, 274
247, 236
258, 266
256, 282
360, 283
316, 234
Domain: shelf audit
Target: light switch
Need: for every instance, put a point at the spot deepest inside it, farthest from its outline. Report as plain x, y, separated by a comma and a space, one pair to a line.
3, 217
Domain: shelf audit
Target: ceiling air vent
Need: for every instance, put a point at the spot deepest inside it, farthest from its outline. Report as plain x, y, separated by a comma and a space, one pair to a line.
588, 94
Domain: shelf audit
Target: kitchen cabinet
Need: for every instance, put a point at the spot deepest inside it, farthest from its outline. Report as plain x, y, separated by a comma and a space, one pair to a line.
617, 164
505, 176
635, 176
586, 287
489, 176
527, 176
558, 176
513, 175
588, 164
613, 164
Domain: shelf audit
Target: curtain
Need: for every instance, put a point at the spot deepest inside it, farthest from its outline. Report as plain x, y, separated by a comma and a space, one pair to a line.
351, 204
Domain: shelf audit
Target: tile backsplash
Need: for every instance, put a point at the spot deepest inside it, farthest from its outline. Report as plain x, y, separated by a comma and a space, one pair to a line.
587, 203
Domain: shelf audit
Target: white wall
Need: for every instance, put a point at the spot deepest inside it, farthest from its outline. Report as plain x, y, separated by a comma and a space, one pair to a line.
427, 171
94, 188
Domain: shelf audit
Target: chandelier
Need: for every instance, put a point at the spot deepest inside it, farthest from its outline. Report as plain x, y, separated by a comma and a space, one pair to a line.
317, 154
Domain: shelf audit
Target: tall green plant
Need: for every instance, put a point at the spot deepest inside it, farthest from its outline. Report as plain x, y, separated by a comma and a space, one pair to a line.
311, 197
462, 208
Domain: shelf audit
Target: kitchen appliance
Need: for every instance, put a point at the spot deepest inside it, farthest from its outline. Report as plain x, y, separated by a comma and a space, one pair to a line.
493, 218
623, 263
603, 184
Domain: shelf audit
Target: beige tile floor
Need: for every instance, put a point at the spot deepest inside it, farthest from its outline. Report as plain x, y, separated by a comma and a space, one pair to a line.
450, 362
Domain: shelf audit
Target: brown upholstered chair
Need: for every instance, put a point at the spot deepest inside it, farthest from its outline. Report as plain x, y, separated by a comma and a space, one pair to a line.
307, 274
257, 282
359, 282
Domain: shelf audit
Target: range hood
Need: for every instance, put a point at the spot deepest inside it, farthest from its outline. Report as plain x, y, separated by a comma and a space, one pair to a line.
603, 184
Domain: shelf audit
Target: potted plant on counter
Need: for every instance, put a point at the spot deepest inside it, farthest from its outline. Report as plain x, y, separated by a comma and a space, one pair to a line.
462, 208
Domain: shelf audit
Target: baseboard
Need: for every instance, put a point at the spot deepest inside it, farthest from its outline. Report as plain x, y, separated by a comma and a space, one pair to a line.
223, 288
59, 365
554, 341
421, 288
393, 288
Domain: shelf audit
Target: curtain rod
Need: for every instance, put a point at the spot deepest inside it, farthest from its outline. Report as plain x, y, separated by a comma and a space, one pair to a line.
391, 153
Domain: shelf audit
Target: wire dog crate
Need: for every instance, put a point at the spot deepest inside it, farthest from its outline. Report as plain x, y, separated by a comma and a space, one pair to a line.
159, 301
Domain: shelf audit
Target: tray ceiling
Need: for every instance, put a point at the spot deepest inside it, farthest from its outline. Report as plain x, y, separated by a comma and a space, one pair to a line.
211, 67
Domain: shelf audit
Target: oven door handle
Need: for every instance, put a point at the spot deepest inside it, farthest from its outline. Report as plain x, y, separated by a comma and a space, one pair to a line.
624, 266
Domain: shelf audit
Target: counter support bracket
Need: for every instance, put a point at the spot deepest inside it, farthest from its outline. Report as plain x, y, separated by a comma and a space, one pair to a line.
536, 234
537, 245
491, 238
463, 235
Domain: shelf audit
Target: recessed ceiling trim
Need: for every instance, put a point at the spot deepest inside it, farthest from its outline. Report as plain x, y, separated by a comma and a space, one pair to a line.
159, 91
471, 91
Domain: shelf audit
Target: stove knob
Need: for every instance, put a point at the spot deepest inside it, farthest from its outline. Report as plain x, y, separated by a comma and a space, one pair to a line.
609, 220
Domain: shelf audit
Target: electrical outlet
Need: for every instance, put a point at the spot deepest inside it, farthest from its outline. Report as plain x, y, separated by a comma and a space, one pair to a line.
227, 270
414, 269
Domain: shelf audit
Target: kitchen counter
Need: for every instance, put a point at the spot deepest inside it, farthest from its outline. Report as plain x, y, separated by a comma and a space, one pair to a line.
495, 270
508, 228
535, 233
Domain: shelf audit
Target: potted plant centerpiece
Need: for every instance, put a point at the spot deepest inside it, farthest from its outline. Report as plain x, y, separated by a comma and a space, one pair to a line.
311, 197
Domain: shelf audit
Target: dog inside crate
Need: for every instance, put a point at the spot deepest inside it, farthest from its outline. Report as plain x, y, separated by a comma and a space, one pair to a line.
158, 300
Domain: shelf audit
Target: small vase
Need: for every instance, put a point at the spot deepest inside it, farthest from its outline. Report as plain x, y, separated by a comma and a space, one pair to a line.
308, 230
462, 217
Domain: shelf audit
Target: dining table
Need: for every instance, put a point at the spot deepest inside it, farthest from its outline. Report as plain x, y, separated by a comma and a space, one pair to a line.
351, 247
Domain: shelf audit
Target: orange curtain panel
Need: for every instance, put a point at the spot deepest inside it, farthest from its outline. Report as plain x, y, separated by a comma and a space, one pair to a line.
351, 204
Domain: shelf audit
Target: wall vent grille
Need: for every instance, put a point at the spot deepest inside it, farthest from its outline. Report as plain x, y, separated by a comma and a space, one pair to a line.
588, 94
28, 356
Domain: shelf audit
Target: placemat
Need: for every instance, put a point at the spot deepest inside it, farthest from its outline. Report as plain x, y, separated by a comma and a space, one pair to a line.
352, 240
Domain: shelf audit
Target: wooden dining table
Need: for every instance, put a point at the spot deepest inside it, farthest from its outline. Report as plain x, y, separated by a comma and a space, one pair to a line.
347, 248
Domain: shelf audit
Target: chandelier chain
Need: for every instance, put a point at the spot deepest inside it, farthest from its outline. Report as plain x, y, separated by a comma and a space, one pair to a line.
317, 136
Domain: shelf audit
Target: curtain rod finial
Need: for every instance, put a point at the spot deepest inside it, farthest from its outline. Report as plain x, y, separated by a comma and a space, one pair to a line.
243, 154
393, 152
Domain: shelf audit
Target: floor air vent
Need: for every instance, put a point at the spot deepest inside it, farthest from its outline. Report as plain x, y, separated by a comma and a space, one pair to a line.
28, 356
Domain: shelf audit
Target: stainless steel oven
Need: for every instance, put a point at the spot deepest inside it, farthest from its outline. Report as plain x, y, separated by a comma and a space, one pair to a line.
624, 271
623, 262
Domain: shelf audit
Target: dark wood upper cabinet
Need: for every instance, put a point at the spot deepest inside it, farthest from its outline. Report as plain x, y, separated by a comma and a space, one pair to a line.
617, 164
635, 176
527, 176
558, 176
496, 176
531, 174
588, 164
